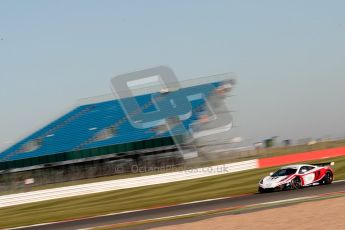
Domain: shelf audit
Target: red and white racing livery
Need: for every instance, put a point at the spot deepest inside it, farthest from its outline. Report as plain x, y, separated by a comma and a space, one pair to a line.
297, 176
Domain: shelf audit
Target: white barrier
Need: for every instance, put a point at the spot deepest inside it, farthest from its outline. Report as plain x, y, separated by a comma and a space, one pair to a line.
91, 188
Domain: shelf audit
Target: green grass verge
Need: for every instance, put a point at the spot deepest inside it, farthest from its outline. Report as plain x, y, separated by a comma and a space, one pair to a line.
137, 198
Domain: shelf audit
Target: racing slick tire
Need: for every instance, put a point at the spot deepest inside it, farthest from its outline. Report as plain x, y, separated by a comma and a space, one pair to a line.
328, 178
296, 183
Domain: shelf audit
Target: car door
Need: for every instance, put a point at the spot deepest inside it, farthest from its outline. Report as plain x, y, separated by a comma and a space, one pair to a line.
307, 175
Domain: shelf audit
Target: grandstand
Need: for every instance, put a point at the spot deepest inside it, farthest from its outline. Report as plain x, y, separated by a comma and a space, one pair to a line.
100, 132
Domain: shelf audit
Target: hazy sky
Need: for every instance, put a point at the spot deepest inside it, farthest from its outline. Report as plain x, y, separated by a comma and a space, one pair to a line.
289, 57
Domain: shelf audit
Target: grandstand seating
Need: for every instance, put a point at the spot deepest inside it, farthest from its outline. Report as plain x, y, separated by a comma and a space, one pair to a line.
77, 130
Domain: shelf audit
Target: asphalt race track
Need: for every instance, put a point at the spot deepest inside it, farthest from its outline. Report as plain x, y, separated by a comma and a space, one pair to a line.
192, 208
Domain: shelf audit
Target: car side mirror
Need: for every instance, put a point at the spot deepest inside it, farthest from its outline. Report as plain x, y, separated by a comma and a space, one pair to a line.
271, 173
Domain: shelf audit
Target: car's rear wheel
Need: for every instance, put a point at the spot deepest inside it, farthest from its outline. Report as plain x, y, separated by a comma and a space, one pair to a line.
296, 183
328, 179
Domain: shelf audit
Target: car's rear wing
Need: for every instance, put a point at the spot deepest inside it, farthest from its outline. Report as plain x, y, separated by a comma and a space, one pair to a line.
325, 164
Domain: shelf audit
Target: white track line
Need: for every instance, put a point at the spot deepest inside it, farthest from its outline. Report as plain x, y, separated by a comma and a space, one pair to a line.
181, 204
214, 210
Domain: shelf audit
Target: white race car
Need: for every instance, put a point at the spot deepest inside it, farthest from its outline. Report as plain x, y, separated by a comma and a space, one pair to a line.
297, 176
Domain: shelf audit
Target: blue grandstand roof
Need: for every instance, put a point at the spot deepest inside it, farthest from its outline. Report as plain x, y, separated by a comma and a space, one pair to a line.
95, 125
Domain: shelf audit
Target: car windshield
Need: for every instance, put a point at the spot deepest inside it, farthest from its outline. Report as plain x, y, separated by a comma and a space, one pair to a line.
284, 172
